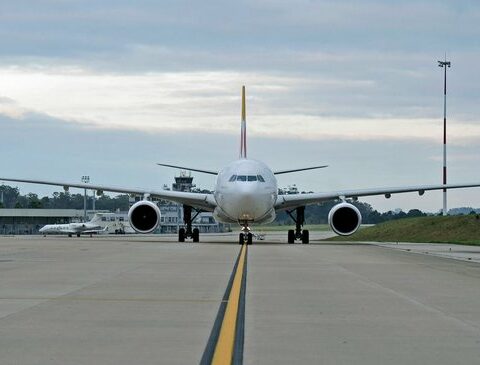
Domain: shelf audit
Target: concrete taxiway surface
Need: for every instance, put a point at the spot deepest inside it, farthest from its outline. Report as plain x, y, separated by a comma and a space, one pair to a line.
151, 300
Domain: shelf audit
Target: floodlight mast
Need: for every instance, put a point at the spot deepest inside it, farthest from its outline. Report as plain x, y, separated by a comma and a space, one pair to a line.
444, 65
85, 180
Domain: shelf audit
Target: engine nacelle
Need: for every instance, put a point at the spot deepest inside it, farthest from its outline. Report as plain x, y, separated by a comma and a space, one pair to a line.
344, 219
144, 216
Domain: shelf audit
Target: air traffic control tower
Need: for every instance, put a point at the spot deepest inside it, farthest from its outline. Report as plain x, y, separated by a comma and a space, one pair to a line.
184, 182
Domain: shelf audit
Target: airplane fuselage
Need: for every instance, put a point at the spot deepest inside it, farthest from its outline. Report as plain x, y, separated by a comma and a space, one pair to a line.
69, 228
245, 192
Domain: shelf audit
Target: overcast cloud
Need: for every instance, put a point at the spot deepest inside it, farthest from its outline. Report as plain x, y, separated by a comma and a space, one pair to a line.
352, 84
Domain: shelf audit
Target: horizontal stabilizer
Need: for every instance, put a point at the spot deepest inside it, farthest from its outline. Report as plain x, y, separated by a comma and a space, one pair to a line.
189, 169
297, 170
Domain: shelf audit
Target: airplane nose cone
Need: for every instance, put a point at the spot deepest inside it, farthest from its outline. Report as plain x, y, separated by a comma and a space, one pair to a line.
248, 205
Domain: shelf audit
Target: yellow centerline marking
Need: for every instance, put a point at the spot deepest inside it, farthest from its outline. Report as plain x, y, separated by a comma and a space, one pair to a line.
224, 350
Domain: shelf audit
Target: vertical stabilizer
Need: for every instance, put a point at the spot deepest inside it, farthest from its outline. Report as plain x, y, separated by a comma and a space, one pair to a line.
96, 218
243, 137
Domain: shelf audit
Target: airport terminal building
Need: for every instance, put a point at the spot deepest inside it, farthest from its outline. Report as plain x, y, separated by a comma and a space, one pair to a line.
29, 221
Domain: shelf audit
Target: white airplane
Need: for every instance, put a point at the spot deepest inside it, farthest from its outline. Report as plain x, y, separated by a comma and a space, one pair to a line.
94, 226
246, 193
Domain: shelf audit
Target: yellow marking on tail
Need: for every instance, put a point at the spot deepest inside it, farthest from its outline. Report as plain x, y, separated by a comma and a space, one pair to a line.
244, 113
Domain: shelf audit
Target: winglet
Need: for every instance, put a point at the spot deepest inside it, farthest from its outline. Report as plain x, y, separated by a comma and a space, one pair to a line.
243, 136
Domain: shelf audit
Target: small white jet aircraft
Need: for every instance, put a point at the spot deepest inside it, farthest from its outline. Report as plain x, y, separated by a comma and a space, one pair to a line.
92, 227
246, 193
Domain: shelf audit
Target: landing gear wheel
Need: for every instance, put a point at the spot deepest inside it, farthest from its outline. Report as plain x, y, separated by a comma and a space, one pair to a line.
196, 235
241, 239
78, 235
305, 236
181, 235
291, 236
298, 233
69, 235
249, 239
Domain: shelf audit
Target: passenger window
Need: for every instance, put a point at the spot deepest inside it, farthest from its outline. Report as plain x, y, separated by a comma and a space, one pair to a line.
252, 178
241, 178
233, 178
260, 178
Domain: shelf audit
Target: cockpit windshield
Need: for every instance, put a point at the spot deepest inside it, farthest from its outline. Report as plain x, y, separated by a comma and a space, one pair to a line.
247, 178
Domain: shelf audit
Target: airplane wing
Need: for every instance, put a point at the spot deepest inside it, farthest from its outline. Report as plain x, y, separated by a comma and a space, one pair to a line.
297, 200
279, 172
197, 200
97, 230
189, 168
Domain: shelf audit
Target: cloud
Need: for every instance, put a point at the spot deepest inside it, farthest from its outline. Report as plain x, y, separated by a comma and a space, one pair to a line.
198, 101
10, 108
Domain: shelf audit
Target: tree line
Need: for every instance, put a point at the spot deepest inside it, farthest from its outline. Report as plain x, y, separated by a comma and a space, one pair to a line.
318, 213
60, 200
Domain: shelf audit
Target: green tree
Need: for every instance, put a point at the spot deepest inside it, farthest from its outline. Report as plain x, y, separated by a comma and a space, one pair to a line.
33, 201
10, 195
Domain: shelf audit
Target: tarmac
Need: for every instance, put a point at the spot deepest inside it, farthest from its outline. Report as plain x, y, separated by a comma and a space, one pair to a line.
151, 300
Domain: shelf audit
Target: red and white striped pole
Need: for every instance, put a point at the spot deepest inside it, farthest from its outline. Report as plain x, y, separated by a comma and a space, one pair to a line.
444, 64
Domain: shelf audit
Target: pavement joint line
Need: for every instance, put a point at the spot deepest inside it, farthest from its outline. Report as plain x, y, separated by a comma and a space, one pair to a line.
73, 299
441, 255
78, 289
226, 337
468, 325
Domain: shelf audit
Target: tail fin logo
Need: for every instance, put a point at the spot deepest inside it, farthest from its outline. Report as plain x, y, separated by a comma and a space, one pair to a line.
243, 136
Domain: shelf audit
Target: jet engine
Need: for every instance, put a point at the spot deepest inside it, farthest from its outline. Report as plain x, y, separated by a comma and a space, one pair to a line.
144, 216
344, 219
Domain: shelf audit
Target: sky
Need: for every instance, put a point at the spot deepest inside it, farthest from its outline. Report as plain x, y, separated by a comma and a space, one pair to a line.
109, 88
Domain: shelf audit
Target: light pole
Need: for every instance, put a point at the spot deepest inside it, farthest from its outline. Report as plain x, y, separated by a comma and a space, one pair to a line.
444, 64
85, 180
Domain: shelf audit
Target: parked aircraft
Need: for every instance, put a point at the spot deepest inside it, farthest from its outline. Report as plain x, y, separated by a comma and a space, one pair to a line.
246, 193
94, 226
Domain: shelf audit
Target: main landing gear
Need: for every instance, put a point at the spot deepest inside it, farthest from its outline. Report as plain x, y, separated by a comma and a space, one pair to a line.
246, 237
298, 233
188, 219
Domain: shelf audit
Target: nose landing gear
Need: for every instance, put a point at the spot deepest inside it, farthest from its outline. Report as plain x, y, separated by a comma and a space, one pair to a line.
298, 233
246, 237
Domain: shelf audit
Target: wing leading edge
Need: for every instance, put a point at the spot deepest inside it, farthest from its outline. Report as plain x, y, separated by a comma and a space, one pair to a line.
202, 201
279, 172
296, 200
210, 172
